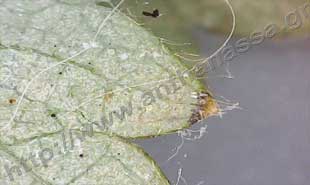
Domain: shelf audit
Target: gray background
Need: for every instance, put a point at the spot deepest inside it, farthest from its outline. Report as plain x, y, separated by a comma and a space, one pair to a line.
265, 143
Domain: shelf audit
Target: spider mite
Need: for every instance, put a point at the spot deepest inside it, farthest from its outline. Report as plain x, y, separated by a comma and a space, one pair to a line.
154, 14
199, 113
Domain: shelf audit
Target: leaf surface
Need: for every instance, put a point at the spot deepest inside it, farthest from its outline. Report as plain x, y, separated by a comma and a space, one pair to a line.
69, 65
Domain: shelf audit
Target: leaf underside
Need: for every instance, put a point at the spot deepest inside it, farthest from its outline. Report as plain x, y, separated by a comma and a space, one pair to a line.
49, 93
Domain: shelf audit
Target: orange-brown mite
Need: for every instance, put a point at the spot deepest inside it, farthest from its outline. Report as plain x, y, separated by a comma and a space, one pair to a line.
206, 107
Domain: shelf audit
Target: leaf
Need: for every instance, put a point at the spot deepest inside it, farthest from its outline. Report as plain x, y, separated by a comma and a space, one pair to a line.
99, 159
69, 65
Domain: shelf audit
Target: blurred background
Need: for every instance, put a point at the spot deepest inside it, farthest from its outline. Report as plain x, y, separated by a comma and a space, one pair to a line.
263, 137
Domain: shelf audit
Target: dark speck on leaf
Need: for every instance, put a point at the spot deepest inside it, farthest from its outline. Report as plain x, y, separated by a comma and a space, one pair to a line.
53, 115
154, 14
12, 101
81, 155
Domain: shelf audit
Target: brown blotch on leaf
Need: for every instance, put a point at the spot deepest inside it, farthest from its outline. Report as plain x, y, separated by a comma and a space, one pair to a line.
12, 101
107, 97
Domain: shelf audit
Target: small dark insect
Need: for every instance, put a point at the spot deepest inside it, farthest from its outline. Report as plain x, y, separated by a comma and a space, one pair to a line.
53, 115
154, 14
